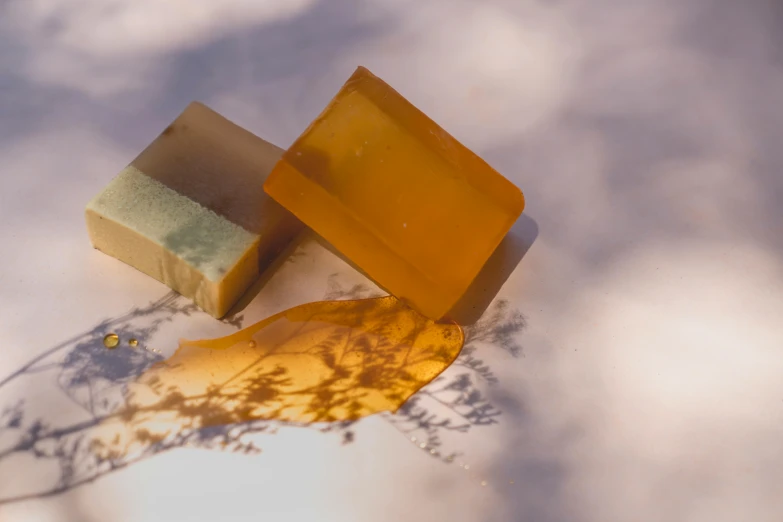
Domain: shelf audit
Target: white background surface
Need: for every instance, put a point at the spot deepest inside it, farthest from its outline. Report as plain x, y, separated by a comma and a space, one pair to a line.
646, 135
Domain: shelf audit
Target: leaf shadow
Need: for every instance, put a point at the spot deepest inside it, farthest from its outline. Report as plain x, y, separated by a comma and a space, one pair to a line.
121, 425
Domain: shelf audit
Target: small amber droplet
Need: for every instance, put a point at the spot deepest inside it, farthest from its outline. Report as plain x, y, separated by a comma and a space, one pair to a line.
251, 343
111, 341
413, 439
133, 342
423, 445
483, 482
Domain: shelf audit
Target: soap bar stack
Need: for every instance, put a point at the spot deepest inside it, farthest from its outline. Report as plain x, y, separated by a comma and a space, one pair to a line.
391, 190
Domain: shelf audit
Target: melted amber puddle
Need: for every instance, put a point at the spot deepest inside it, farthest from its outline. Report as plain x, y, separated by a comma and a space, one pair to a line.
319, 362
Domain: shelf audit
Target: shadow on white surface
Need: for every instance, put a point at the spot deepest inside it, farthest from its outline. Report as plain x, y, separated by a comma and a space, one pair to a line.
125, 69
96, 379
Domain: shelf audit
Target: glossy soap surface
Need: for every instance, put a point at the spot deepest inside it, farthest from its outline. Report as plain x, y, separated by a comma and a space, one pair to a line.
396, 194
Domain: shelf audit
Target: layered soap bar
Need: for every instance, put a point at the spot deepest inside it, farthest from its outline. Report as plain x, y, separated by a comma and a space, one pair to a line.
191, 211
396, 194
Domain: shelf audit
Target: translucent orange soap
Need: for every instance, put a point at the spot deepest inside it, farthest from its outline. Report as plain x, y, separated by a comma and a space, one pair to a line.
401, 198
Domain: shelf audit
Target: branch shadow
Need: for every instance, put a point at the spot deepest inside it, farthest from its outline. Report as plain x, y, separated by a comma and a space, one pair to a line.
121, 426
458, 401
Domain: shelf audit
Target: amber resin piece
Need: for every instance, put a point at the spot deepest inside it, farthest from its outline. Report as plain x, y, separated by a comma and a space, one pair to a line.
396, 194
318, 362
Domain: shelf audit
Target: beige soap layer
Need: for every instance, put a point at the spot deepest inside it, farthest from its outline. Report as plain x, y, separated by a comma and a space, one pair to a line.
172, 238
190, 210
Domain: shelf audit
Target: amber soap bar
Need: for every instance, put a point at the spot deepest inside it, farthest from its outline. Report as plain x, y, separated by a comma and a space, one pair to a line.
396, 194
191, 211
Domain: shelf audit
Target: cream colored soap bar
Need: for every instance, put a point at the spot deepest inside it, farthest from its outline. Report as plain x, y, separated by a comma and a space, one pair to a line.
191, 212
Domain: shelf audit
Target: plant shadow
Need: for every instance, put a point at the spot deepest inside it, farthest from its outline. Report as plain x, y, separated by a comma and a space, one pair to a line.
131, 413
